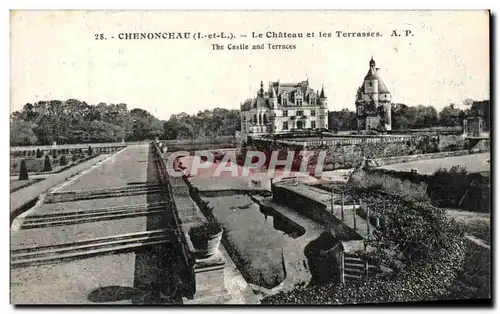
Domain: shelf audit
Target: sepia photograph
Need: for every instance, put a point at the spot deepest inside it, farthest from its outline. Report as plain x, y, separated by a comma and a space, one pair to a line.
273, 157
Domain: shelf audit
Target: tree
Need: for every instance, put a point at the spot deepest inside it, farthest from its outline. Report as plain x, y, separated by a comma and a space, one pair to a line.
39, 153
450, 116
47, 167
89, 151
63, 161
22, 133
23, 171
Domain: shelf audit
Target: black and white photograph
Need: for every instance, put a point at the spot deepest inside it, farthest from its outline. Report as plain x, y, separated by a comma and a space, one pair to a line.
272, 157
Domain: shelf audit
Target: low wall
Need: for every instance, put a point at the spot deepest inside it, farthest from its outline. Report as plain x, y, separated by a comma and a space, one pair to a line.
314, 210
171, 204
215, 193
345, 153
30, 151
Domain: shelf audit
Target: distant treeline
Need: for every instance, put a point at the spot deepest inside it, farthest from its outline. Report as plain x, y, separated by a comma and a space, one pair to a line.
416, 117
74, 121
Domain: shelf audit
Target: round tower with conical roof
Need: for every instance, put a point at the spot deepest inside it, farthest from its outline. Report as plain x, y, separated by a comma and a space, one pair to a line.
323, 110
373, 101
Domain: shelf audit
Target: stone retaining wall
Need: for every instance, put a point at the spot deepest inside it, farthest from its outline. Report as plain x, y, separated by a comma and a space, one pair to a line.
314, 210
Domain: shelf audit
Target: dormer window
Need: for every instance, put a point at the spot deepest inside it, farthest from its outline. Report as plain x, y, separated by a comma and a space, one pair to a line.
298, 97
284, 99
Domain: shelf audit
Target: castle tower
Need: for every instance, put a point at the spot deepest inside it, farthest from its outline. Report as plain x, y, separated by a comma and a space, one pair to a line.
273, 103
373, 102
323, 110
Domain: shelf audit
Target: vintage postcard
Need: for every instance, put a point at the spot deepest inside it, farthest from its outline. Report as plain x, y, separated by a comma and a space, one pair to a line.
250, 157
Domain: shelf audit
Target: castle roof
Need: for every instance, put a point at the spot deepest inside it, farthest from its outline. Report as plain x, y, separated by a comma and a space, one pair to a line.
373, 74
322, 95
273, 93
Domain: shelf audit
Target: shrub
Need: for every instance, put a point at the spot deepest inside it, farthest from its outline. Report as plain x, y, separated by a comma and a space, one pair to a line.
429, 280
74, 158
374, 181
469, 191
89, 151
39, 153
427, 276
63, 161
47, 166
54, 154
23, 172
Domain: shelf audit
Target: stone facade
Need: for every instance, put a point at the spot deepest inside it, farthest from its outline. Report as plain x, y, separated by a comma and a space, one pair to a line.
284, 107
475, 127
373, 102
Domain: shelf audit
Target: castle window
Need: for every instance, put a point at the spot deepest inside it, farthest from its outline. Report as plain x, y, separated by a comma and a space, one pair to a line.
313, 101
313, 124
360, 110
371, 84
313, 113
285, 125
299, 101
284, 101
285, 113
300, 113
254, 118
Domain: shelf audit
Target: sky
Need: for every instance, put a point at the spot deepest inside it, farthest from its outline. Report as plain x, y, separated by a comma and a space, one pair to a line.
55, 55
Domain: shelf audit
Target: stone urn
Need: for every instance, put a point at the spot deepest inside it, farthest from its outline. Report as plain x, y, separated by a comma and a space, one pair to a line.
206, 239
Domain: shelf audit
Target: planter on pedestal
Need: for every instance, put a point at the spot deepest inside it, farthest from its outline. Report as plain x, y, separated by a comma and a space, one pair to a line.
206, 239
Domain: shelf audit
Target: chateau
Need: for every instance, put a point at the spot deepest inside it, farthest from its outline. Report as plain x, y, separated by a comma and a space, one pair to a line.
373, 102
284, 107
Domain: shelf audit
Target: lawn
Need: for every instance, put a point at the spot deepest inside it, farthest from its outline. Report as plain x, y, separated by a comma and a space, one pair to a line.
475, 224
19, 184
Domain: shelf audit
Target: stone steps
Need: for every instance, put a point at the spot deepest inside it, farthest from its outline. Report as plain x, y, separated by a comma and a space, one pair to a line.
38, 255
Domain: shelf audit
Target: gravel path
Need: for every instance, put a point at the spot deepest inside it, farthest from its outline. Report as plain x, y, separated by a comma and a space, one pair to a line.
112, 278
129, 165
27, 194
473, 163
111, 172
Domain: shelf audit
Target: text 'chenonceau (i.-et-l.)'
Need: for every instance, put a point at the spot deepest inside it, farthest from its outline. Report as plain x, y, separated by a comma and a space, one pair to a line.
254, 40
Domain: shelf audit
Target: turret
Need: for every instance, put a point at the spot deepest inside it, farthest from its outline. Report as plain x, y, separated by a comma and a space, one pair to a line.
322, 97
273, 98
